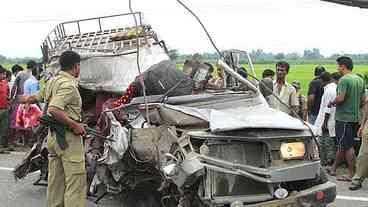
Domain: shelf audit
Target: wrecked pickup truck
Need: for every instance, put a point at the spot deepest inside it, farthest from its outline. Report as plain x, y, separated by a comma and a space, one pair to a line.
182, 143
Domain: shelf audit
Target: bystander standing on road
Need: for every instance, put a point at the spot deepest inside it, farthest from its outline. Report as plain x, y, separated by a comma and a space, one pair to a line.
362, 160
285, 91
17, 91
315, 92
325, 121
302, 109
9, 77
28, 114
4, 109
16, 69
349, 99
21, 77
266, 84
31, 85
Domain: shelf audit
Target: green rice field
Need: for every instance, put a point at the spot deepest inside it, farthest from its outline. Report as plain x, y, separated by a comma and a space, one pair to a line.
305, 72
302, 72
7, 66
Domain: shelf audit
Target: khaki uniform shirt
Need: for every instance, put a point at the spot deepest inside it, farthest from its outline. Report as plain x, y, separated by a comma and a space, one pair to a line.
62, 92
287, 95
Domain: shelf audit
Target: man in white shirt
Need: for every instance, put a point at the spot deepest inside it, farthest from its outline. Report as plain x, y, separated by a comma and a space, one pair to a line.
285, 91
325, 121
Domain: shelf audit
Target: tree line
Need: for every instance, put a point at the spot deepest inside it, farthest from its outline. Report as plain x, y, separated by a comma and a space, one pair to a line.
260, 56
18, 60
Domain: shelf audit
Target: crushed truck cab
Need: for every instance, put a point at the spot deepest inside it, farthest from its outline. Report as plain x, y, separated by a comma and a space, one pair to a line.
225, 151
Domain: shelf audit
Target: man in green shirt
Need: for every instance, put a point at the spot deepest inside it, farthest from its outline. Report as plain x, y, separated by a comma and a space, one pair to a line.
350, 97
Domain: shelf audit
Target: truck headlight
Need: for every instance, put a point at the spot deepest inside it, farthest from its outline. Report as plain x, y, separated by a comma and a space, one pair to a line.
292, 150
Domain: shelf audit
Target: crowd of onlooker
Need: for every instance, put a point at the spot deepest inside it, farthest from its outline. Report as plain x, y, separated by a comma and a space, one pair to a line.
17, 120
336, 104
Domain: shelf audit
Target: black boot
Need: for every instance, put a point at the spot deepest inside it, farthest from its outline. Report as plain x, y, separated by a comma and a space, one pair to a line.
355, 186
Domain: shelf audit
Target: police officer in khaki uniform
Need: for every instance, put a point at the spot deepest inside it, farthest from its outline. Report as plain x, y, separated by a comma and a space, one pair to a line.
67, 174
362, 162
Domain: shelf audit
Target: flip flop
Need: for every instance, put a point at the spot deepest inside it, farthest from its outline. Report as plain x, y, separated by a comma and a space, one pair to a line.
329, 171
344, 178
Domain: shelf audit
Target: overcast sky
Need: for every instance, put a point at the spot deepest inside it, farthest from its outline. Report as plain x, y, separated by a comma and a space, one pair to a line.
276, 26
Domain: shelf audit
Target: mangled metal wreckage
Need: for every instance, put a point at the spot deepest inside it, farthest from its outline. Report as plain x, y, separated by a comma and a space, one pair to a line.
182, 144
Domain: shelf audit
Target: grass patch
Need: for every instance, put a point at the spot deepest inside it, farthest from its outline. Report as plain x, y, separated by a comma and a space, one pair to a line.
305, 72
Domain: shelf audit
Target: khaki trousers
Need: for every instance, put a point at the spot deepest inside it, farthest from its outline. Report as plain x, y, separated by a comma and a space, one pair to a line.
67, 181
362, 160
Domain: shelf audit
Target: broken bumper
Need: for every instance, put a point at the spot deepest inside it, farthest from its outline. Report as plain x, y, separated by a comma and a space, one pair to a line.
319, 195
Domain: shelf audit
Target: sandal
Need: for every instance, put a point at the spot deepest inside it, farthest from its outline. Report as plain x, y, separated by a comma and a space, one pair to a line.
344, 178
355, 186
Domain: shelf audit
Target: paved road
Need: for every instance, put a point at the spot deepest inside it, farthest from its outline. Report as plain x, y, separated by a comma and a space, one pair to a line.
24, 194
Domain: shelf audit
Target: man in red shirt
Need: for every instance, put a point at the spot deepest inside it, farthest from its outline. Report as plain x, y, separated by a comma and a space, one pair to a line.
4, 111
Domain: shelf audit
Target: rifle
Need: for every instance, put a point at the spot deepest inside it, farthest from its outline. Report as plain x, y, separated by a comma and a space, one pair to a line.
90, 131
60, 129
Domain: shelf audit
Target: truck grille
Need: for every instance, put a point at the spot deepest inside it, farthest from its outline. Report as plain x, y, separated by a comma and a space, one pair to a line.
225, 184
248, 153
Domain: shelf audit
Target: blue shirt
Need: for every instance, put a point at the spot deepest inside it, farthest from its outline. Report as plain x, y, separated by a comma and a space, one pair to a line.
31, 86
